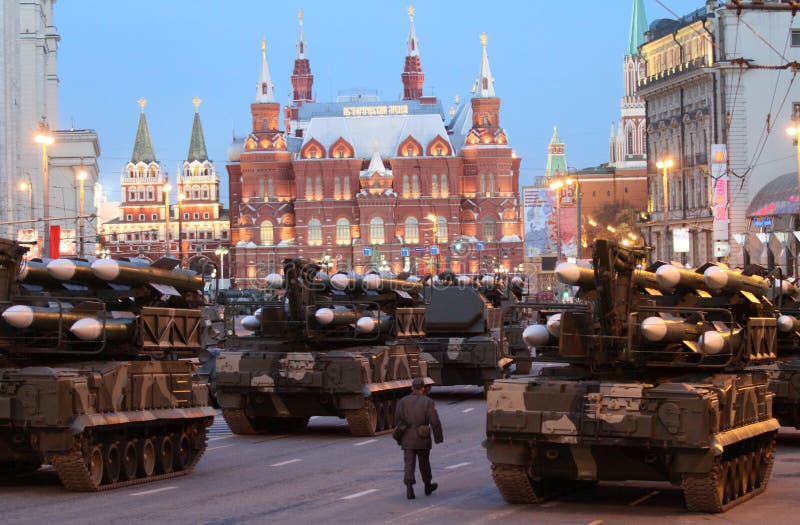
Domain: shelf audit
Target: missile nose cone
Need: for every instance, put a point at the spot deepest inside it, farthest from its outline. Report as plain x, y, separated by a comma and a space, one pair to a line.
413, 279
106, 269
536, 335
568, 273
61, 269
365, 325
487, 281
464, 280
274, 280
668, 276
87, 329
516, 280
372, 281
251, 323
23, 272
340, 281
712, 342
554, 325
785, 323
715, 277
19, 316
257, 313
324, 316
654, 328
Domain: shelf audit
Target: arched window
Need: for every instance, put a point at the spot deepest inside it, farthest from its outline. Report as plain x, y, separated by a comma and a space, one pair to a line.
376, 235
491, 188
483, 184
415, 186
434, 185
140, 191
337, 188
267, 234
406, 187
153, 171
630, 144
346, 191
441, 229
314, 232
131, 194
412, 230
318, 190
309, 189
488, 228
195, 192
205, 192
444, 189
343, 231
150, 193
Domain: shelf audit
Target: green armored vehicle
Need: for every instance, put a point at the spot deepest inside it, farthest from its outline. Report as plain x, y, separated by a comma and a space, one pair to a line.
340, 345
462, 333
90, 376
655, 388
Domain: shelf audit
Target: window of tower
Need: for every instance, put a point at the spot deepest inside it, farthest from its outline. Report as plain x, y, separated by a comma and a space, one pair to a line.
314, 232
343, 231
376, 232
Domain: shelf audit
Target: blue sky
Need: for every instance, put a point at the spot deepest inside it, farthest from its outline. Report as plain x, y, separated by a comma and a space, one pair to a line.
555, 63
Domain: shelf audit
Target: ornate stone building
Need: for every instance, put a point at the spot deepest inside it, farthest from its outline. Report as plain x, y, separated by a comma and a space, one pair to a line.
360, 182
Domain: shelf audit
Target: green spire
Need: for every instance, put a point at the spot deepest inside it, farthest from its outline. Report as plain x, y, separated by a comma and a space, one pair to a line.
638, 27
197, 144
556, 160
143, 147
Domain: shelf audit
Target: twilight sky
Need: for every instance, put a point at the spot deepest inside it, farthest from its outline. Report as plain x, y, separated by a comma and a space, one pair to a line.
555, 63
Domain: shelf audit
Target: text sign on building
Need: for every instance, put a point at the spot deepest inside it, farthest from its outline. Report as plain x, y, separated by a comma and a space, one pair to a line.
480, 246
434, 250
372, 111
421, 249
405, 252
719, 176
367, 252
680, 240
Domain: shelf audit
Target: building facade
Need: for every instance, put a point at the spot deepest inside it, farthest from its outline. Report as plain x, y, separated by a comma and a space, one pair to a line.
711, 86
189, 208
363, 183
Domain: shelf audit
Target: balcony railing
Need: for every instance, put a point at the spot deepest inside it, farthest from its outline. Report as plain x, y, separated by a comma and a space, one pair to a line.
673, 72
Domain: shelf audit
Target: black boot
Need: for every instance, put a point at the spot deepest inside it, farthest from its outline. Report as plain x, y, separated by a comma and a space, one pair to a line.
410, 491
430, 487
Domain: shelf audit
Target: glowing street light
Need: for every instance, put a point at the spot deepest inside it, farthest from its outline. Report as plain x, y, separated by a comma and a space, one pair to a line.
44, 138
794, 131
665, 165
81, 176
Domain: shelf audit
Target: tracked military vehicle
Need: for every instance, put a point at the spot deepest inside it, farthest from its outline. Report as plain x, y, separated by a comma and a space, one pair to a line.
91, 376
462, 332
340, 345
784, 374
656, 387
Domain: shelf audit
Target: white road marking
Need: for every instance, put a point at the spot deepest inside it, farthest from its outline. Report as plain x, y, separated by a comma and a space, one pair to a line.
359, 494
282, 463
458, 465
367, 442
221, 446
643, 498
221, 437
153, 491
470, 409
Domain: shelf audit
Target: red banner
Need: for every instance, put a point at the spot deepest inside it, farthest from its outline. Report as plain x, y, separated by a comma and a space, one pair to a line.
55, 241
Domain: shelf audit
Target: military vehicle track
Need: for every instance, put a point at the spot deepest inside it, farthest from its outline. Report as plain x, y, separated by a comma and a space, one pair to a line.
98, 463
514, 484
732, 481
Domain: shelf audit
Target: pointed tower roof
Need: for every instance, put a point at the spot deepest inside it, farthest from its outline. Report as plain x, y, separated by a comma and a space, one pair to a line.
143, 147
301, 41
197, 144
412, 49
638, 27
555, 139
265, 92
556, 158
484, 87
376, 164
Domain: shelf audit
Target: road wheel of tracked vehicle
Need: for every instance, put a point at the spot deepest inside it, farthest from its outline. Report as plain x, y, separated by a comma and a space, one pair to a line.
363, 422
184, 452
129, 460
166, 454
147, 458
514, 483
752, 471
744, 474
112, 463
94, 465
705, 492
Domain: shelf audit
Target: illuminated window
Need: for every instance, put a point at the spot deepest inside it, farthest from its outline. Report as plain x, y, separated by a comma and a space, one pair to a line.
488, 228
337, 188
376, 233
205, 192
412, 230
434, 185
318, 190
267, 233
347, 187
309, 189
406, 186
150, 193
343, 231
314, 232
483, 184
415, 186
444, 189
141, 216
441, 229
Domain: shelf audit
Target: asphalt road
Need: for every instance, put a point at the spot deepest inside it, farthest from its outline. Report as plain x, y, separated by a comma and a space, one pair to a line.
327, 476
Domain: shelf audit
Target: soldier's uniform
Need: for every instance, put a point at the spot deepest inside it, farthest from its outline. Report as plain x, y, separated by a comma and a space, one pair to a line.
418, 410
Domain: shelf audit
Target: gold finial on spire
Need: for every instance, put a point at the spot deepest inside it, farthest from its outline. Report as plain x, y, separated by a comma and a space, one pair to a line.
484, 39
411, 12
456, 100
300, 15
263, 46
142, 102
375, 146
196, 101
452, 112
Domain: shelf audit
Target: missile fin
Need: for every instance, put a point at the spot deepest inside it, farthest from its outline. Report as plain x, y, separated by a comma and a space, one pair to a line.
692, 345
165, 289
720, 327
166, 263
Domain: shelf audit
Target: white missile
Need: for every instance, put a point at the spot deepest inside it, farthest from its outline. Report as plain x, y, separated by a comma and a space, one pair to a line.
42, 318
371, 281
536, 335
726, 280
571, 273
19, 316
669, 277
92, 329
554, 325
657, 329
274, 281
324, 316
487, 281
788, 288
367, 325
713, 342
340, 281
251, 323
517, 280
786, 323
464, 280
338, 316
61, 269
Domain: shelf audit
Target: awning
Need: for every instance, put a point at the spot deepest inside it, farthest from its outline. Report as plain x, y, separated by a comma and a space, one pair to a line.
779, 197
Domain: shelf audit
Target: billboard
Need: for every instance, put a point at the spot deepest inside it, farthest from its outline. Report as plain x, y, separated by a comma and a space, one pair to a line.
719, 174
542, 222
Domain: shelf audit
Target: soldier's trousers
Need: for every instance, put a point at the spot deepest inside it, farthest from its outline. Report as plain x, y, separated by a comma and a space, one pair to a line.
410, 456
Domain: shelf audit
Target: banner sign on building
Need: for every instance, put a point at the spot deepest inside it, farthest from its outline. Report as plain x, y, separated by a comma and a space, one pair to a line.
68, 243
719, 176
542, 223
680, 240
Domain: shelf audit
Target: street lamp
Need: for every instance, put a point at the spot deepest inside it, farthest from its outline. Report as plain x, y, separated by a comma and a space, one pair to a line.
81, 178
221, 252
181, 196
166, 189
44, 138
665, 165
794, 131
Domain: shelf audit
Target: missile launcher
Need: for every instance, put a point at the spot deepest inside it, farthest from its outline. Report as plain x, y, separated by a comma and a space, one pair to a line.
90, 380
656, 383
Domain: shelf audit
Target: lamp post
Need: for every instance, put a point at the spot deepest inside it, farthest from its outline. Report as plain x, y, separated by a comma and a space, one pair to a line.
435, 223
166, 189
664, 165
221, 252
81, 178
181, 196
44, 138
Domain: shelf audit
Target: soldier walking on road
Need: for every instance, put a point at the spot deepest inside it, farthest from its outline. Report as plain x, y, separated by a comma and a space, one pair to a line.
415, 418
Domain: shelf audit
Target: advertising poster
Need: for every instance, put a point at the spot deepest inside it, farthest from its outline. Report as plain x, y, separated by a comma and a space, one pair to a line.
542, 222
